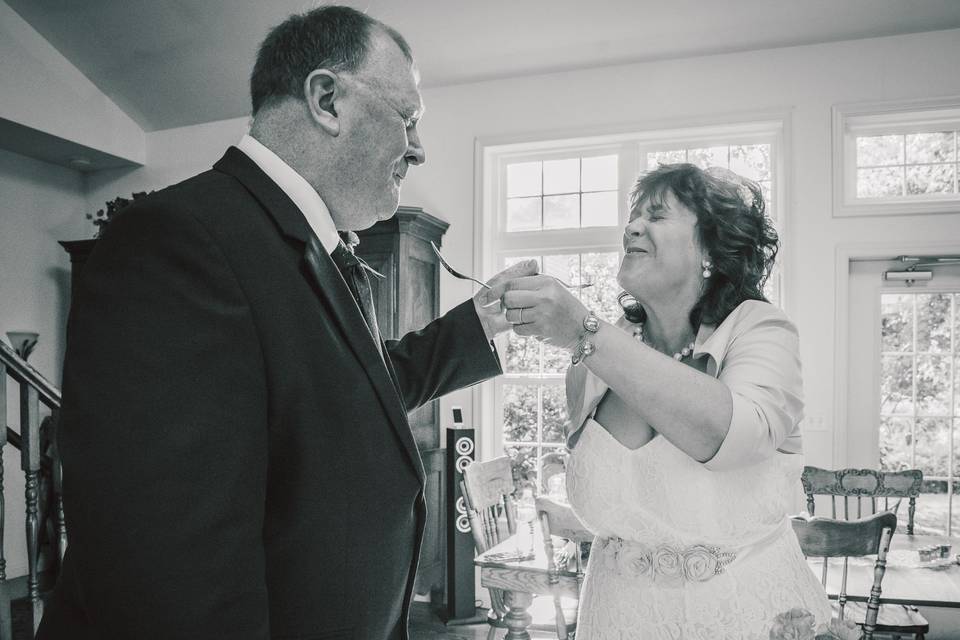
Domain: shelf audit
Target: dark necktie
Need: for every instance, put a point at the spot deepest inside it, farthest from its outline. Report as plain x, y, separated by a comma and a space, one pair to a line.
354, 271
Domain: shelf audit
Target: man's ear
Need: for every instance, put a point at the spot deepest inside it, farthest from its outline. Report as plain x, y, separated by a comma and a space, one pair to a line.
323, 94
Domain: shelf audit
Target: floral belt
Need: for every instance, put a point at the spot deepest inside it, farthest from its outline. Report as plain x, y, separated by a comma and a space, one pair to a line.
664, 564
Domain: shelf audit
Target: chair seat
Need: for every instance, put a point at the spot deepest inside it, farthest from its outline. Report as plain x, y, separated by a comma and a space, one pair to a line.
543, 614
893, 617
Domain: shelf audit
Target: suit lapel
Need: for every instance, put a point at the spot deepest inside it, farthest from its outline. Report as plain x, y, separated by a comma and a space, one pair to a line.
332, 290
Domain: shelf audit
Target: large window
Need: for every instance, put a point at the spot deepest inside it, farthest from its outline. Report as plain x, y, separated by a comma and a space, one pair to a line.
565, 204
896, 158
920, 398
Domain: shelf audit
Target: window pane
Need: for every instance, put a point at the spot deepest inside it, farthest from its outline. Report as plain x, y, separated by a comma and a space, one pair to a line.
599, 174
956, 386
524, 460
708, 156
522, 354
523, 214
930, 147
875, 151
877, 183
896, 444
931, 178
523, 179
771, 209
655, 158
771, 288
933, 445
896, 385
601, 269
561, 212
931, 518
933, 385
519, 413
751, 161
933, 322
896, 322
554, 413
555, 359
565, 266
561, 176
600, 209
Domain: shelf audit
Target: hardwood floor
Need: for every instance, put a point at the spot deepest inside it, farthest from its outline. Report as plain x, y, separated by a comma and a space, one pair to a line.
426, 625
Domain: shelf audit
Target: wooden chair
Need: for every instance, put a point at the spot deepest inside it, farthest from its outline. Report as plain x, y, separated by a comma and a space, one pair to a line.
558, 520
488, 491
831, 538
862, 484
866, 487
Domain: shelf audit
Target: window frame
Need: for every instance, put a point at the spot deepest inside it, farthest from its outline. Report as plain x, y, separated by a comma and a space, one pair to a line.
848, 121
492, 242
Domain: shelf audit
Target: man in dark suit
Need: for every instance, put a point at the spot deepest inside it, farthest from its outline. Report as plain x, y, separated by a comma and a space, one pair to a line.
236, 453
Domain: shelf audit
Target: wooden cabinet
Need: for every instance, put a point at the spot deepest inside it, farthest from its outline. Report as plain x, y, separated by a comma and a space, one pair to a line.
407, 298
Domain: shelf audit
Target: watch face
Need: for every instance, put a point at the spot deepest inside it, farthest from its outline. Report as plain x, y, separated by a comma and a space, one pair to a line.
591, 323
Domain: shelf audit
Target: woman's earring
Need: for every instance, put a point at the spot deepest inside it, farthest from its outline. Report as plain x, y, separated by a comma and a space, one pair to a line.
707, 268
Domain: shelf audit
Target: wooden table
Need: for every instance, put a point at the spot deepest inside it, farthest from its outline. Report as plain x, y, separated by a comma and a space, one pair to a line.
521, 580
904, 582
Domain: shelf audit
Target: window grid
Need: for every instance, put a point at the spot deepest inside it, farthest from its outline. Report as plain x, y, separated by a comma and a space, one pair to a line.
543, 197
953, 163
950, 417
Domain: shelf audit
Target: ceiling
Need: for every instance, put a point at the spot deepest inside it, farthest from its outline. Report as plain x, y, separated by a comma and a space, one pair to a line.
170, 63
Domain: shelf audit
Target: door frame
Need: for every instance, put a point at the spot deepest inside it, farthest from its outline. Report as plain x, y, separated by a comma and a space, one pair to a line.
845, 253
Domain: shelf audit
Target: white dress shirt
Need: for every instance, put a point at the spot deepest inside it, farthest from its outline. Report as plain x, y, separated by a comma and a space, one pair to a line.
297, 189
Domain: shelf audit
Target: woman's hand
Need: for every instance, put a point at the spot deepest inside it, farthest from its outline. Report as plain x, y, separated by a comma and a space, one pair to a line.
540, 306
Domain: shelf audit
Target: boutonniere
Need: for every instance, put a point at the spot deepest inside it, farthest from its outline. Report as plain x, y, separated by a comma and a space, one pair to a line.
351, 239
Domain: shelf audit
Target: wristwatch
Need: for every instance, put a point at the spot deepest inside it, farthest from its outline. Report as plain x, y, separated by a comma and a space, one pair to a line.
585, 347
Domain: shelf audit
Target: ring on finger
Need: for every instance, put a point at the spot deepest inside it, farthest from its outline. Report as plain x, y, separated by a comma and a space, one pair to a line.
520, 316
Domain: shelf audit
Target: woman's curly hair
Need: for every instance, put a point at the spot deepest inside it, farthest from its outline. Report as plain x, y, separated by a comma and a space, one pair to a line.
737, 236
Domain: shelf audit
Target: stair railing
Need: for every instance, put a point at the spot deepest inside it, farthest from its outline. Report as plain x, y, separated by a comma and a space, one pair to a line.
35, 390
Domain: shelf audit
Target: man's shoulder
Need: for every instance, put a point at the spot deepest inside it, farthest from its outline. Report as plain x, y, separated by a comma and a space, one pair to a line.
210, 198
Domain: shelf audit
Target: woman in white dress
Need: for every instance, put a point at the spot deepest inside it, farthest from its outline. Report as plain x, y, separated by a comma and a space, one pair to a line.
685, 445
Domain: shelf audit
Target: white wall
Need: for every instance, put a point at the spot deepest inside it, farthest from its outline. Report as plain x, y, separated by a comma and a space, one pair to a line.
40, 204
172, 155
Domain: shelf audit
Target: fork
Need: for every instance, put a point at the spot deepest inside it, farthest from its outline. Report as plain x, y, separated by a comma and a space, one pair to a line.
457, 274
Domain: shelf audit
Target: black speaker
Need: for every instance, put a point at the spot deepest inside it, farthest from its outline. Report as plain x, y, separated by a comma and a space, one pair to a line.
461, 596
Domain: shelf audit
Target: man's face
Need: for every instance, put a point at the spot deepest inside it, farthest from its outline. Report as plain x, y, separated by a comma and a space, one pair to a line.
380, 125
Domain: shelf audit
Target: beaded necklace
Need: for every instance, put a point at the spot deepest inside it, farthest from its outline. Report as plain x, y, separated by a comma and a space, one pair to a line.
679, 355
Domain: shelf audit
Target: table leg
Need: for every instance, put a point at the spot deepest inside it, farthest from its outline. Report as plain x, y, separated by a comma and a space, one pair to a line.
517, 618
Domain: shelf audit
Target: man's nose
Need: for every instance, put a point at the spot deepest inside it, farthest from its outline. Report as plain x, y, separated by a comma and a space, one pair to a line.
415, 152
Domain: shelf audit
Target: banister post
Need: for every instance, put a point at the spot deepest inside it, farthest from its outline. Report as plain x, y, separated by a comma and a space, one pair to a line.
30, 463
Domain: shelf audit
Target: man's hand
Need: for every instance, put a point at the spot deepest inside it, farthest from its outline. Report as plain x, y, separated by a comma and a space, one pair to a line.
487, 301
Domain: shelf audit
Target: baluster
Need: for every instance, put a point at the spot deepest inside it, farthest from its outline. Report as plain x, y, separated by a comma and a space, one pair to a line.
6, 623
30, 463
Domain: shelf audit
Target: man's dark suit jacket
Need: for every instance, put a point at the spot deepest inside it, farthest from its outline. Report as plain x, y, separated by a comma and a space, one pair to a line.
237, 457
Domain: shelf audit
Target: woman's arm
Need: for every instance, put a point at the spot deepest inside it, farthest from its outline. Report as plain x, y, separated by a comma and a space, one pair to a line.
731, 421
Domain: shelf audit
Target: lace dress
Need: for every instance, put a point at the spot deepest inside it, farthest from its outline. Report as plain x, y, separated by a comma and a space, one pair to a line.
683, 551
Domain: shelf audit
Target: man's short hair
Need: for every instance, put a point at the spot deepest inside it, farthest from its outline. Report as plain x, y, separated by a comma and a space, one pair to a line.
330, 37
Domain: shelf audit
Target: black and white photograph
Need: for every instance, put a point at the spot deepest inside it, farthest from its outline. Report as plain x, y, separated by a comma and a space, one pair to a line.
505, 320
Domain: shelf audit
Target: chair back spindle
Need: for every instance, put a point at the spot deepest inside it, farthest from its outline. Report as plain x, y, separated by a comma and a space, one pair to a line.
839, 538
